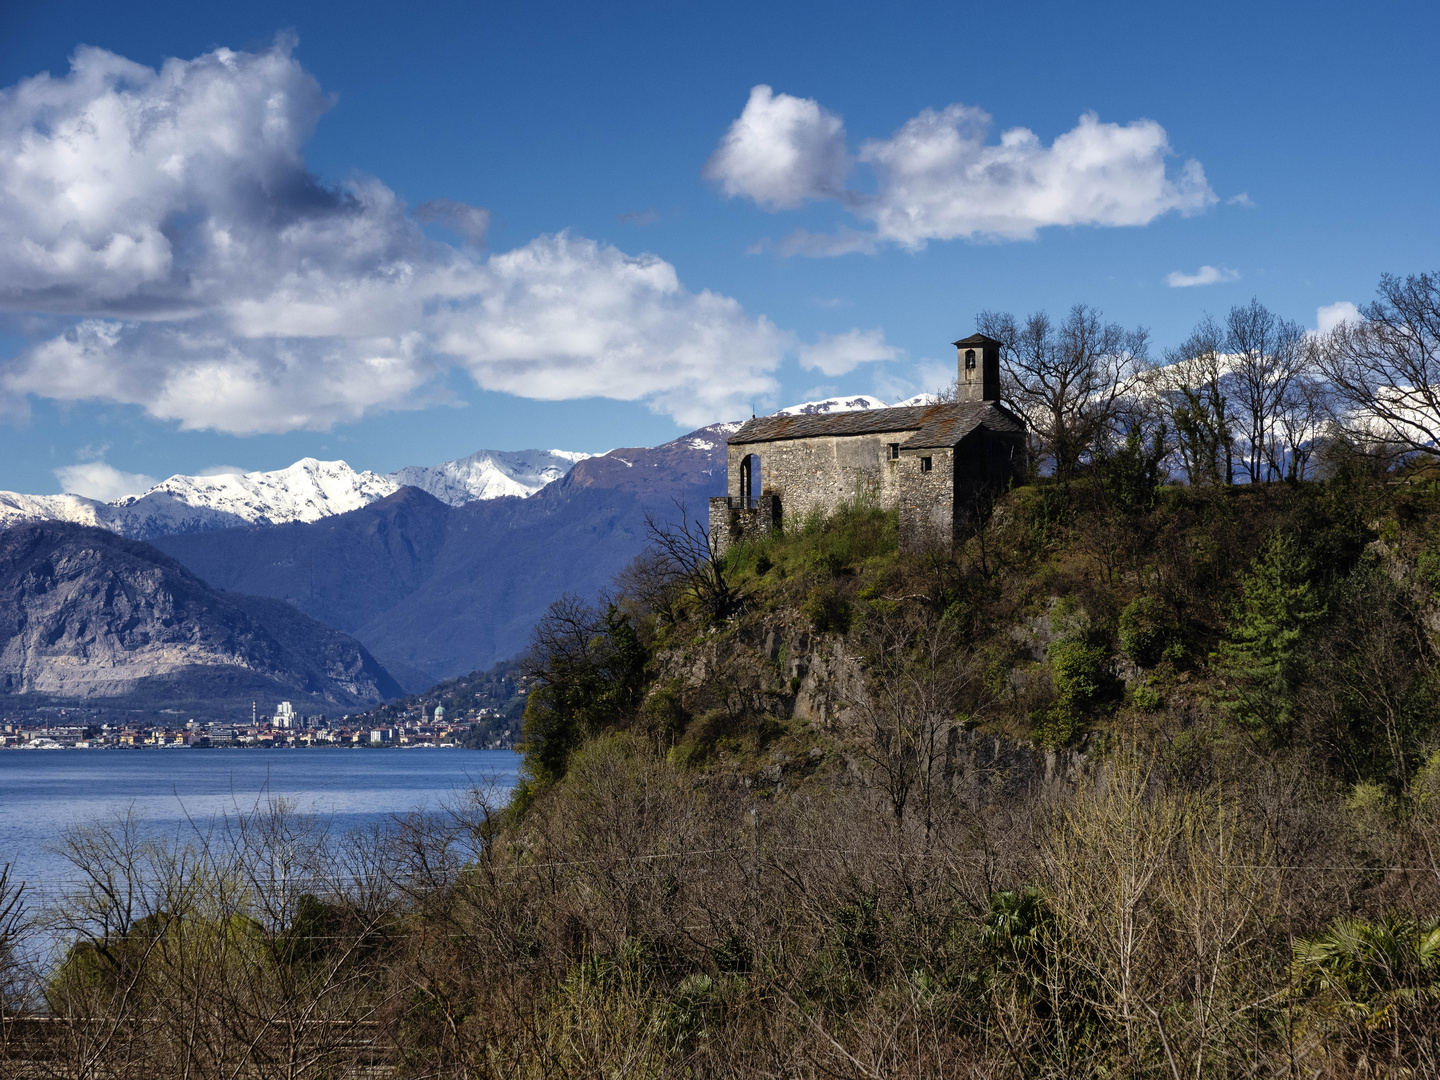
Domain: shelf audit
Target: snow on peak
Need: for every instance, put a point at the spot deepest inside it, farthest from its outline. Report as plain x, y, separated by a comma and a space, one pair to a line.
306, 491
16, 509
489, 474
708, 438
834, 405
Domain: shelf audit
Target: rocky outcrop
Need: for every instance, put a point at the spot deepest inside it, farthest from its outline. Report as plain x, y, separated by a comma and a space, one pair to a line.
777, 666
86, 614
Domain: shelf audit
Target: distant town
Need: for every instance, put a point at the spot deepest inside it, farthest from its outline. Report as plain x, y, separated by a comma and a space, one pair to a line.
418, 725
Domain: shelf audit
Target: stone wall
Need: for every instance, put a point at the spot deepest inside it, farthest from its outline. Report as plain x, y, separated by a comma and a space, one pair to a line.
820, 473
939, 508
927, 499
731, 521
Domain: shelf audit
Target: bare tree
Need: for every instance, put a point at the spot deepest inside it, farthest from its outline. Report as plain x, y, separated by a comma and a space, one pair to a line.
13, 983
1386, 368
649, 582
1070, 380
1266, 354
1191, 389
918, 672
1106, 858
692, 556
1304, 412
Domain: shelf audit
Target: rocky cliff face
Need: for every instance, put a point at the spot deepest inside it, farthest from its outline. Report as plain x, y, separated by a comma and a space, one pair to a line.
86, 614
777, 666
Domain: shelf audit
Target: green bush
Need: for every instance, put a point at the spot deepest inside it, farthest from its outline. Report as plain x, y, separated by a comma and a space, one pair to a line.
1146, 697
1145, 632
663, 714
1055, 727
1079, 672
1131, 474
1427, 568
830, 559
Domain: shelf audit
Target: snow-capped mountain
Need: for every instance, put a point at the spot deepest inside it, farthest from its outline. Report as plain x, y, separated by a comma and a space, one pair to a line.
852, 404
306, 491
833, 405
16, 508
489, 474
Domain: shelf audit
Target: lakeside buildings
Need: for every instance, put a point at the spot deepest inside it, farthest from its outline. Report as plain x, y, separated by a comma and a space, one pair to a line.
286, 728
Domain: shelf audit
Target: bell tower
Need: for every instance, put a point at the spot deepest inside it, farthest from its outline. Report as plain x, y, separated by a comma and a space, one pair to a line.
979, 363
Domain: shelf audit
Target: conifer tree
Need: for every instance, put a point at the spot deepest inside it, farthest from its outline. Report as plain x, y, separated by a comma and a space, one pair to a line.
1263, 660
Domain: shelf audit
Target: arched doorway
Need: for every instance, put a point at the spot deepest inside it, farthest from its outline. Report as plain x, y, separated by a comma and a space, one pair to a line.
749, 480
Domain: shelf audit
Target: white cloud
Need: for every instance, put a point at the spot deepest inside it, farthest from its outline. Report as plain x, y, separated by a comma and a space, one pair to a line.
97, 480
1243, 199
940, 180
781, 151
1332, 315
223, 470
214, 282
938, 177
565, 318
1206, 275
837, 354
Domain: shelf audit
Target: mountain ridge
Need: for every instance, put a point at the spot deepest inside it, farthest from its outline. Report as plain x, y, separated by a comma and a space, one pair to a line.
87, 615
433, 589
448, 590
308, 490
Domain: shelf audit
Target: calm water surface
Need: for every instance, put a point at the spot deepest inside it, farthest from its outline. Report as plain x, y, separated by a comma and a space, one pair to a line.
44, 791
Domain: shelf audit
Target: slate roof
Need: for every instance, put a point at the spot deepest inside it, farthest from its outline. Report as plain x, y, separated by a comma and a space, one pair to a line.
933, 425
949, 427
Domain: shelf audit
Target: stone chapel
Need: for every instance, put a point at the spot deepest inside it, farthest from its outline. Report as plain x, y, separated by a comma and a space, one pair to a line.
936, 464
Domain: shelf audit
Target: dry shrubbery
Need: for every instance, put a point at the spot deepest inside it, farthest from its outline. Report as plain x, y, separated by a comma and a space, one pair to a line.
642, 921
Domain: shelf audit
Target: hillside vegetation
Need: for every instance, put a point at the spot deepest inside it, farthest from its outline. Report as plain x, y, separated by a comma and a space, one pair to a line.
831, 832
1142, 779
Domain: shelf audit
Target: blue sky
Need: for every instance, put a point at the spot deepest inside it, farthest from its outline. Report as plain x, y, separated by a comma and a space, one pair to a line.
397, 234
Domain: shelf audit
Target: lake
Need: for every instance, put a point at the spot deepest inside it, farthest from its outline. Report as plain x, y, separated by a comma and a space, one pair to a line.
44, 791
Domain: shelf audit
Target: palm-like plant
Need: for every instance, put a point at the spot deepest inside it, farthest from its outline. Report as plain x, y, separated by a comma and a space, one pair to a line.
1370, 968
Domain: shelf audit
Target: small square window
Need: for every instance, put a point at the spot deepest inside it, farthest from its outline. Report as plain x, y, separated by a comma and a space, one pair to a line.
894, 451
924, 464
